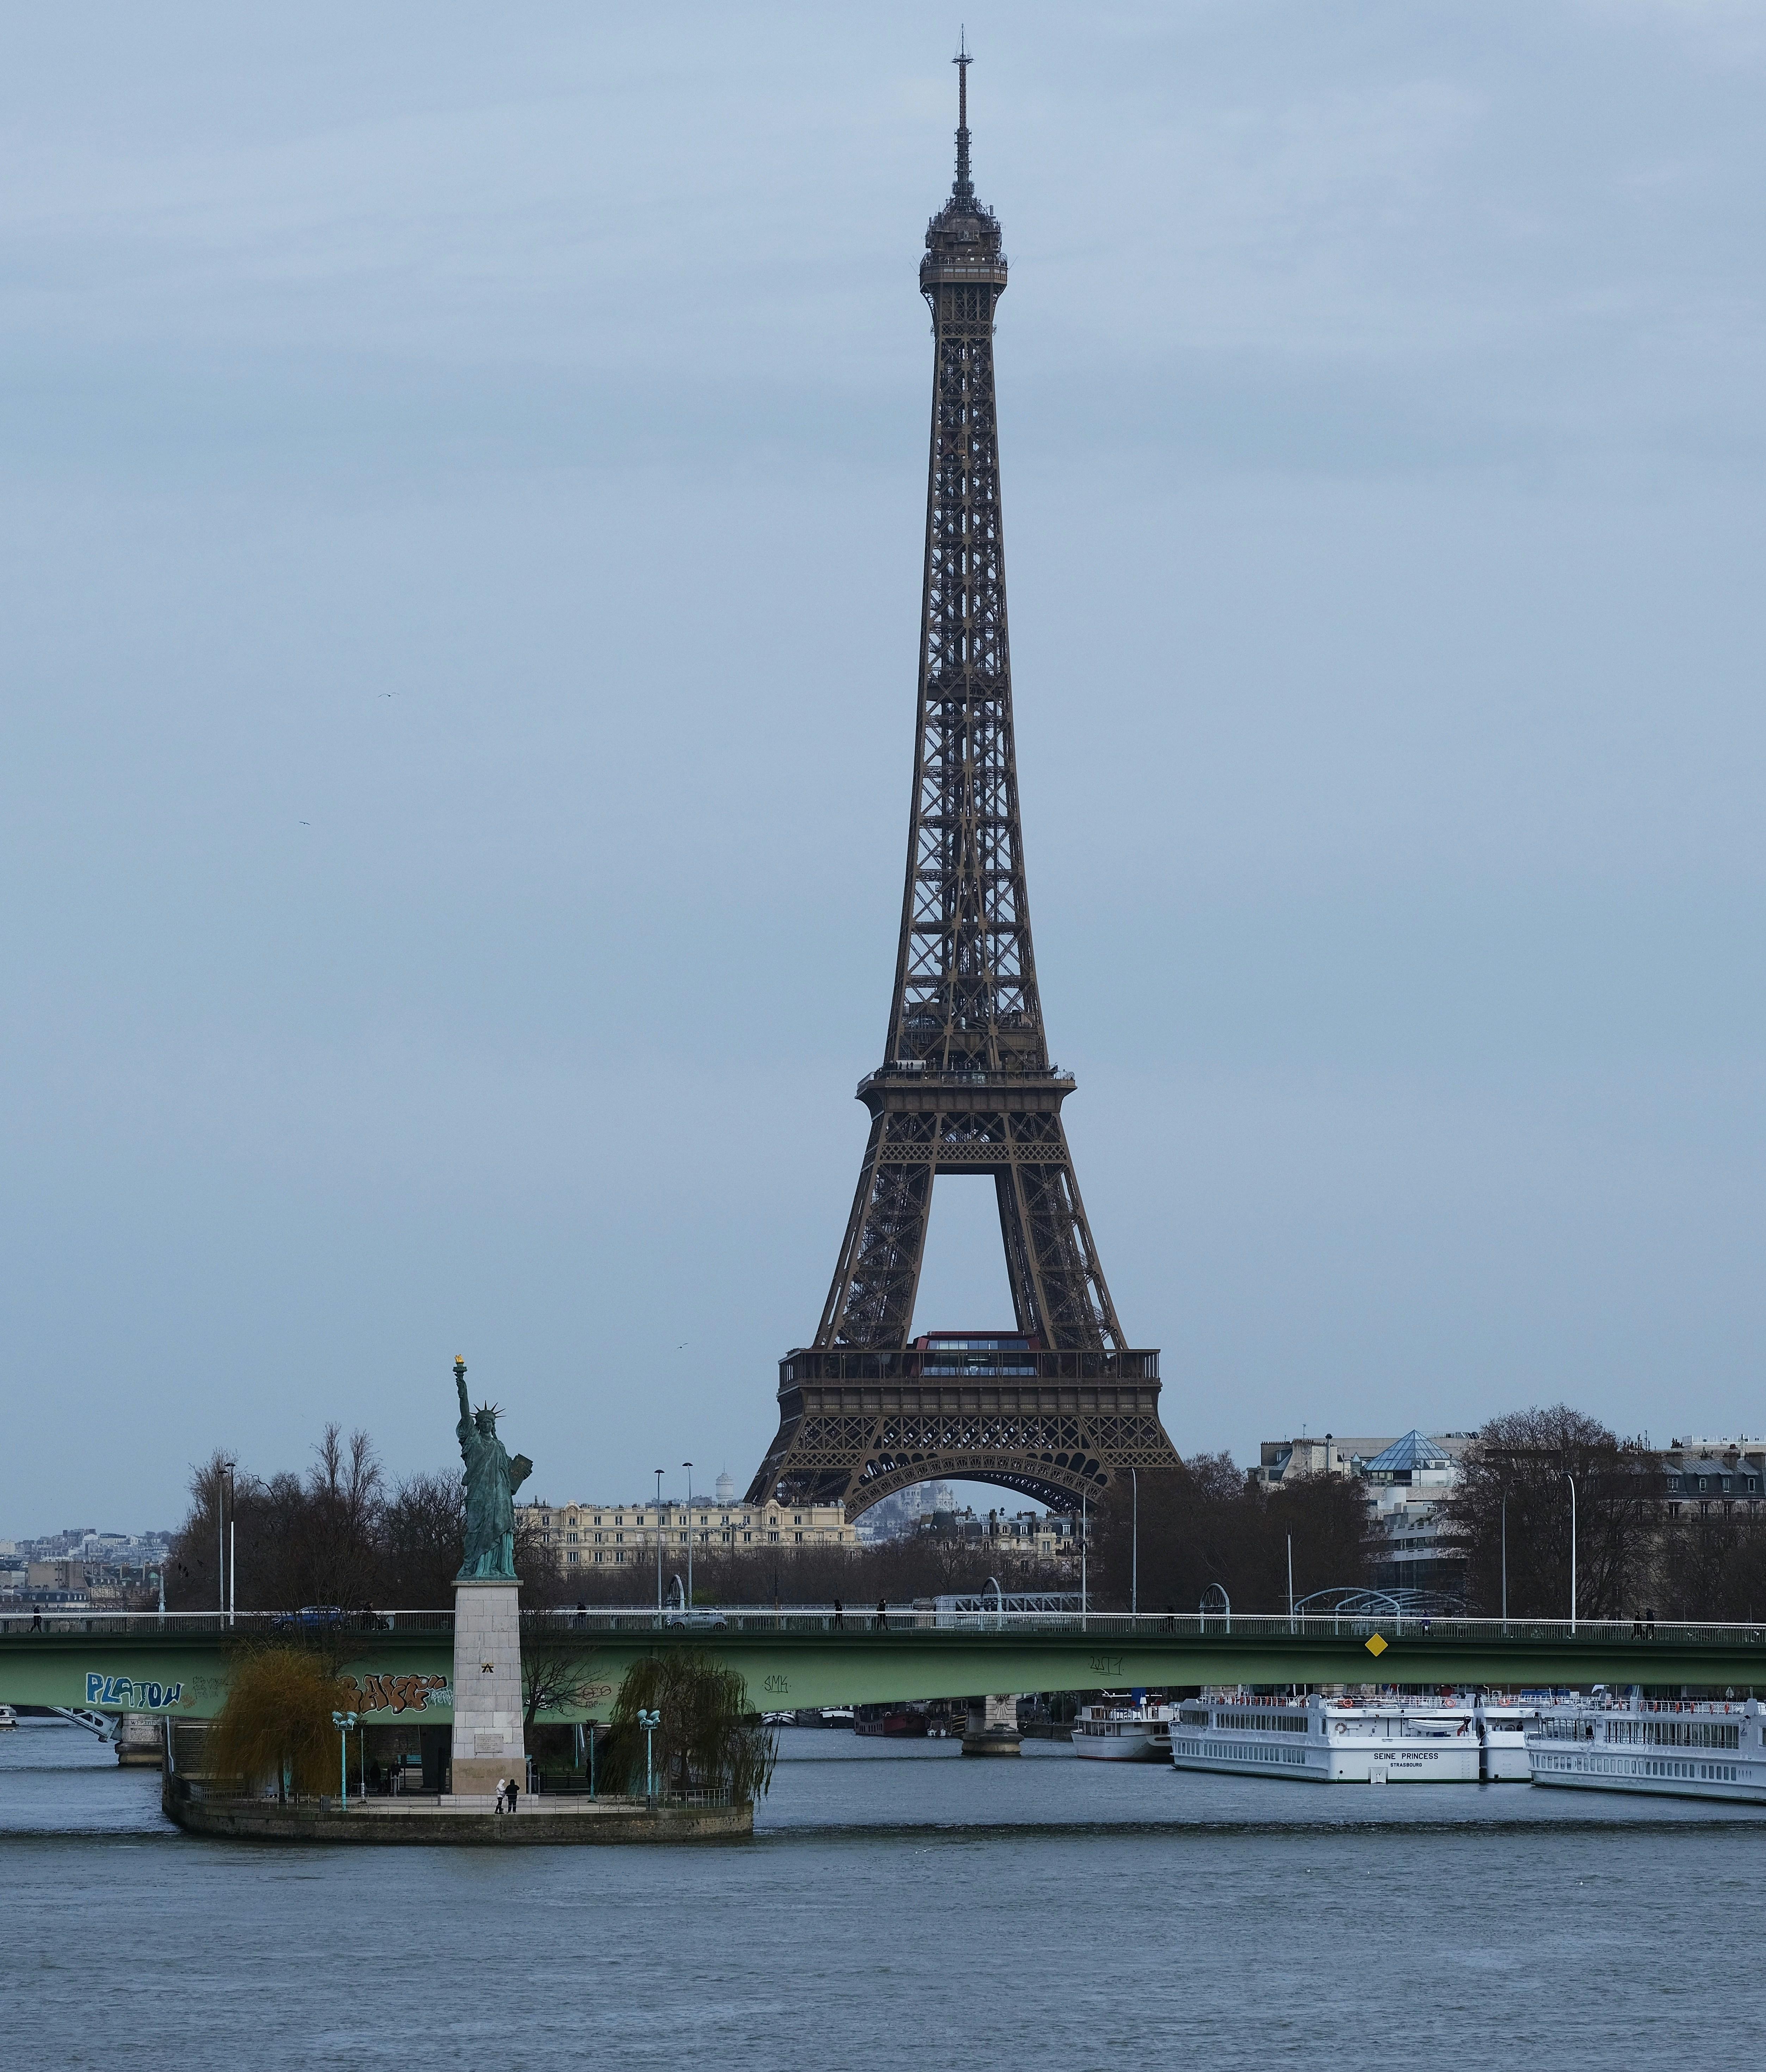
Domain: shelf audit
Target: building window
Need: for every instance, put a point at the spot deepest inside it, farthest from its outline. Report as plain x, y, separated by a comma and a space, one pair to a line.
619, 1557
772, 1535
573, 1557
601, 1557
619, 1536
797, 1536
746, 1537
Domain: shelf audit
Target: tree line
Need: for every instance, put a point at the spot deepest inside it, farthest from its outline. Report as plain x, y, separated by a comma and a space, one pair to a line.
342, 1535
1208, 1523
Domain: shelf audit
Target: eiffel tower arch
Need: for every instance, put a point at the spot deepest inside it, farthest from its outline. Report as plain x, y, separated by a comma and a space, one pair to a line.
1059, 1404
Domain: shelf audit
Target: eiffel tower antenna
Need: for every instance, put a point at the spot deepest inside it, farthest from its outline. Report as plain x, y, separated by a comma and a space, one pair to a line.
964, 186
1061, 1404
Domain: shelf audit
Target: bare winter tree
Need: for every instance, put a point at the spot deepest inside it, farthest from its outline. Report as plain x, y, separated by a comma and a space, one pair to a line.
1521, 1468
557, 1669
1207, 1523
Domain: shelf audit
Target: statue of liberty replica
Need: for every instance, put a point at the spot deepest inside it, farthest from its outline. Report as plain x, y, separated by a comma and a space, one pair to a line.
489, 1742
491, 1481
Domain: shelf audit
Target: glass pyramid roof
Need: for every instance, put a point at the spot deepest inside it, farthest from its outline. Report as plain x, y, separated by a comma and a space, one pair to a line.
1415, 1449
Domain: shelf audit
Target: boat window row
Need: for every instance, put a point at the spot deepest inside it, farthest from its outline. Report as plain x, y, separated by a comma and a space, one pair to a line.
1646, 1734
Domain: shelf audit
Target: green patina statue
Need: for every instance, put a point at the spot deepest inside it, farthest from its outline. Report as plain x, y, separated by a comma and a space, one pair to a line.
491, 1481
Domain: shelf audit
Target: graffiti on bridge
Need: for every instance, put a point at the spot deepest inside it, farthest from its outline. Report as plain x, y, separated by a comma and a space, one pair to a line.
396, 1694
130, 1693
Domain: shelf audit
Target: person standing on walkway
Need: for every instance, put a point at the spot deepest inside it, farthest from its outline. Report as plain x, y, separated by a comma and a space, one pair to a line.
503, 1792
515, 1793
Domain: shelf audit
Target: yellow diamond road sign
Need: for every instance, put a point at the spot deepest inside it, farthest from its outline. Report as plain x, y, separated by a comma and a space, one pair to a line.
1376, 1646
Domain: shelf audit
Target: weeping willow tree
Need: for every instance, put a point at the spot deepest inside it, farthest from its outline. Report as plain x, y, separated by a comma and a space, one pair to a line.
709, 1739
276, 1722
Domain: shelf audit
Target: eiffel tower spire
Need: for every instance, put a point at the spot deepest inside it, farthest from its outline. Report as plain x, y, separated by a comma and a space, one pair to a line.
965, 1084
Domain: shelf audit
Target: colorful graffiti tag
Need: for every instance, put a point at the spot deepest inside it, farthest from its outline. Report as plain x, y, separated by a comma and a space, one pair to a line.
128, 1694
396, 1694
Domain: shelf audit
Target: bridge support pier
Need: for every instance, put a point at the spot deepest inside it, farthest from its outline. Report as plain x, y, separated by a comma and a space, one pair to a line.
994, 1729
141, 1740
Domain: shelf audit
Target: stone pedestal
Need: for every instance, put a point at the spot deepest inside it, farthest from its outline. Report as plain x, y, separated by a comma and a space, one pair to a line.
994, 1729
488, 1741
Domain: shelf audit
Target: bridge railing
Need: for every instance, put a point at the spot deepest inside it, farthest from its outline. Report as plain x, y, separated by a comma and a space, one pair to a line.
348, 1628
1146, 1627
257, 1625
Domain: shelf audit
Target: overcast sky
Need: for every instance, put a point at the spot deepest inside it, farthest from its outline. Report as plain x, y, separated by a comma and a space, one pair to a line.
463, 490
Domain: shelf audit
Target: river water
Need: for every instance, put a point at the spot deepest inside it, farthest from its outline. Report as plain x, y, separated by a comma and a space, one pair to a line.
897, 1900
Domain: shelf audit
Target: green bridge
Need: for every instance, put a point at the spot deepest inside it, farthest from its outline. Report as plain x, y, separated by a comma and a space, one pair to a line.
402, 1663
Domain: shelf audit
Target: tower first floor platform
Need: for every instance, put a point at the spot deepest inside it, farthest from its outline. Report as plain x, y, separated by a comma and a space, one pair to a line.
856, 1425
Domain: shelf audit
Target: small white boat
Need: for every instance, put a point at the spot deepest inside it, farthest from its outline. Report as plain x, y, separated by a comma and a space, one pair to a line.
1675, 1748
8, 1718
1459, 1740
1117, 1733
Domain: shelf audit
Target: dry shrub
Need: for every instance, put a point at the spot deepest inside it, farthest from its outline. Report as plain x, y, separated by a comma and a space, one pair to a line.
277, 1724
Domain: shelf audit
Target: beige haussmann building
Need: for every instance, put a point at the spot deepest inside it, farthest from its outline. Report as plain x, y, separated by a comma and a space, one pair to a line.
610, 1535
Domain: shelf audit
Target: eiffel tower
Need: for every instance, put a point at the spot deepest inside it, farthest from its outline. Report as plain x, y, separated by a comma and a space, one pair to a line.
1059, 1405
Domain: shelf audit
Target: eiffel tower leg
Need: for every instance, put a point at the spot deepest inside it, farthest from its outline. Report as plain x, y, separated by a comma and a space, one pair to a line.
871, 1300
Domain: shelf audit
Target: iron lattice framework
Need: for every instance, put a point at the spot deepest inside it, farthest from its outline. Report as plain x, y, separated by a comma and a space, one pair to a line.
967, 1084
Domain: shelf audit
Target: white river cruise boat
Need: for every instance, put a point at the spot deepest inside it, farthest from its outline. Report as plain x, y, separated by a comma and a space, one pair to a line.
1116, 1733
1348, 1740
1672, 1748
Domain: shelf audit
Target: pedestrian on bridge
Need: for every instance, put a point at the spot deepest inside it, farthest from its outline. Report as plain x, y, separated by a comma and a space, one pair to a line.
882, 1615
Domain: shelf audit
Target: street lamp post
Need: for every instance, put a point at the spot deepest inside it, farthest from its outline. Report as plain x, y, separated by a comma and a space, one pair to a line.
649, 1721
689, 1466
1571, 1481
1505, 1562
1134, 1555
659, 1545
233, 1544
343, 1721
224, 1468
